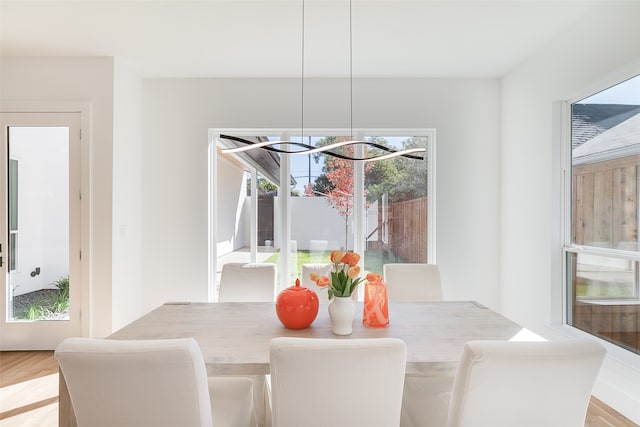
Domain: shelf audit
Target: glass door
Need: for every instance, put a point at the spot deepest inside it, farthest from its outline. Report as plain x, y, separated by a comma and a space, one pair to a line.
40, 193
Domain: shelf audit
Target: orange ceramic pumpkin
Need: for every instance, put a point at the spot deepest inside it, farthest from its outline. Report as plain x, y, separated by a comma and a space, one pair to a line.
297, 306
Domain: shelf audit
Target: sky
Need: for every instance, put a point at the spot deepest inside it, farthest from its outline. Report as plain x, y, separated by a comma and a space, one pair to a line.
627, 93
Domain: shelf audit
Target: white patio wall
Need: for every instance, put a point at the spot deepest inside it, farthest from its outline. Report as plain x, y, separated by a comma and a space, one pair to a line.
314, 220
315, 224
232, 211
43, 207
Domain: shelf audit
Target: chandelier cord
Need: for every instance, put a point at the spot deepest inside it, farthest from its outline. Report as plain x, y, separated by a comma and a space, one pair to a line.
351, 69
302, 80
406, 153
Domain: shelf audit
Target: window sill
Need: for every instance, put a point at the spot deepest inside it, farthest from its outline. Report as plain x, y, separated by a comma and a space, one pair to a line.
615, 352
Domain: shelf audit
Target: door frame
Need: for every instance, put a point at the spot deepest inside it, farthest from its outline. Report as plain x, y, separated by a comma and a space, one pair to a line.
83, 109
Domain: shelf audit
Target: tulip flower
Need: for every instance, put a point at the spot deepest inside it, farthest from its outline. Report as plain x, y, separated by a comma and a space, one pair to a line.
374, 278
350, 258
344, 275
353, 271
322, 281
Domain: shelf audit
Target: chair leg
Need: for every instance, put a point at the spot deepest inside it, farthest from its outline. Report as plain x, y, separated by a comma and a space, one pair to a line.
425, 401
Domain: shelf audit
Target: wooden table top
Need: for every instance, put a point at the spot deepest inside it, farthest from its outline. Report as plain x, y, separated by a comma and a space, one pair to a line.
234, 337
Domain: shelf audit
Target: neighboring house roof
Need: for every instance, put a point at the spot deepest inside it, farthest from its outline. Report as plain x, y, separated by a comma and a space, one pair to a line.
266, 162
590, 120
620, 140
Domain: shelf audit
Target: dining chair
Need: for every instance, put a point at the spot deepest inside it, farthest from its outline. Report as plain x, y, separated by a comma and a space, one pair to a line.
247, 282
336, 382
422, 403
159, 383
321, 268
525, 384
251, 282
412, 282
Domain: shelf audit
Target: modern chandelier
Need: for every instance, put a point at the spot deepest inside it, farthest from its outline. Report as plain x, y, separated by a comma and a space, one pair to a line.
306, 149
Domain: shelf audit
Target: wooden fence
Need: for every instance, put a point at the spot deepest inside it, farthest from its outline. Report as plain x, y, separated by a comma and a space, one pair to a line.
605, 203
404, 232
605, 214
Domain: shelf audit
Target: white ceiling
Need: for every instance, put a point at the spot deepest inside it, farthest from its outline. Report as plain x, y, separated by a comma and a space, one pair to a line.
263, 38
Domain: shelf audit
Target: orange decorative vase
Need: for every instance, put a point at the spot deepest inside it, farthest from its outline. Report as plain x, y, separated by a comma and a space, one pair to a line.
297, 306
376, 309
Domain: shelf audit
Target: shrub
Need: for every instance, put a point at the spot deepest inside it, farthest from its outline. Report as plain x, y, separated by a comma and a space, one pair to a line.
63, 286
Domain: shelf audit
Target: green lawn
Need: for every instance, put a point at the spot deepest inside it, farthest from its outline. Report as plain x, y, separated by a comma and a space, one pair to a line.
373, 262
596, 288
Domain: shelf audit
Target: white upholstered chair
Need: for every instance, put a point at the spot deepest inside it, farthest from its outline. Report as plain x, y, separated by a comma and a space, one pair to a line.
337, 382
251, 282
321, 268
524, 384
247, 282
149, 383
422, 404
412, 282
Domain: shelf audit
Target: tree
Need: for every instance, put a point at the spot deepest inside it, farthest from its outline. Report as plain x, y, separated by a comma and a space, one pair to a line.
321, 186
400, 178
382, 176
340, 197
336, 183
264, 187
412, 174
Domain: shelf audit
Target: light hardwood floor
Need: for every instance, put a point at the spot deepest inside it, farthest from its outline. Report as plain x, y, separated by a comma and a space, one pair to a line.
29, 393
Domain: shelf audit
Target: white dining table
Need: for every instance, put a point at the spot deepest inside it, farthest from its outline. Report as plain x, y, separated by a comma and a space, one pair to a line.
234, 337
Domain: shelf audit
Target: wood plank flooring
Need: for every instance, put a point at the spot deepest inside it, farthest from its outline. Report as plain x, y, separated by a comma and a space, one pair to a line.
28, 389
29, 393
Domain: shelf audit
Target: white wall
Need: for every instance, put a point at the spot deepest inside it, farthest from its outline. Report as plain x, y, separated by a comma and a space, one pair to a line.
232, 207
43, 207
312, 218
585, 55
177, 114
29, 79
127, 277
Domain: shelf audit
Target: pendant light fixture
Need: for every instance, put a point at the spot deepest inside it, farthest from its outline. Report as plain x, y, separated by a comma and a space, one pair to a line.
305, 149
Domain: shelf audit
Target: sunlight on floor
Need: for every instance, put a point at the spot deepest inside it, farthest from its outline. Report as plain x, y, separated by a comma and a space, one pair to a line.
30, 403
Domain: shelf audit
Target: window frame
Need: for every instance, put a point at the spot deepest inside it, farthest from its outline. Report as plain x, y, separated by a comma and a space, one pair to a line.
285, 134
560, 292
14, 203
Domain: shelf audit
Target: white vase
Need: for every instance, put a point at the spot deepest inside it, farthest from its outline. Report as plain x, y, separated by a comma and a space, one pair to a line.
342, 312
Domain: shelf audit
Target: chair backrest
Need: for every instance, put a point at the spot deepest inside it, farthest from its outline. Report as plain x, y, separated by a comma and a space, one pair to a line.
136, 383
247, 282
412, 282
322, 269
524, 384
337, 382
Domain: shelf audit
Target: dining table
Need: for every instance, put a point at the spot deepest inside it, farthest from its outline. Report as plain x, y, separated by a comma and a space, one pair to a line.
234, 337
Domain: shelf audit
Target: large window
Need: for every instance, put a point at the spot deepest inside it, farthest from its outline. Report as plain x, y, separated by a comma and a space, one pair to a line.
378, 209
603, 250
